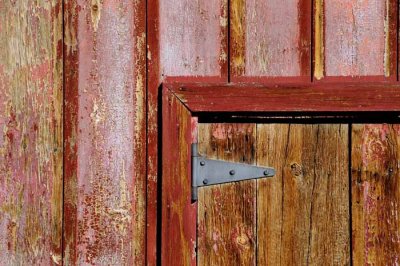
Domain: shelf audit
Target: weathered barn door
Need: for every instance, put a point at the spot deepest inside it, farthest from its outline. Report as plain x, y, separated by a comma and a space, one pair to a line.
334, 196
298, 217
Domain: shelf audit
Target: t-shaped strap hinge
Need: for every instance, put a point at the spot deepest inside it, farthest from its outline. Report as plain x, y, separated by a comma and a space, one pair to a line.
207, 172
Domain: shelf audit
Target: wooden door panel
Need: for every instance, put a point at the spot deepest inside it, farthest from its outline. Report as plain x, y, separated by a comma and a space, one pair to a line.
301, 215
375, 194
314, 211
227, 213
303, 211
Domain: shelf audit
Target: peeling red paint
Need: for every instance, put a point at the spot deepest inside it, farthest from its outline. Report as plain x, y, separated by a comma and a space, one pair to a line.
31, 127
105, 132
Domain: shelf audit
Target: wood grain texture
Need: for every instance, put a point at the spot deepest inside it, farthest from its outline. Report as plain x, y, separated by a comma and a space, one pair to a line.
31, 132
178, 214
192, 37
375, 194
185, 38
356, 38
269, 39
227, 213
303, 211
105, 47
288, 98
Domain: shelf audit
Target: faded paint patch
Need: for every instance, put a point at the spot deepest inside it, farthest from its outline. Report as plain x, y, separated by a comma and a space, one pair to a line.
96, 13
355, 39
31, 127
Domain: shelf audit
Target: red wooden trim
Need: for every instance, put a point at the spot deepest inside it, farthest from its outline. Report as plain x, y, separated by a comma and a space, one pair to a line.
153, 81
178, 214
290, 98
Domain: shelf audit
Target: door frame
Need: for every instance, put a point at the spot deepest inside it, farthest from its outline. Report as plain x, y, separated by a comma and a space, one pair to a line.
182, 106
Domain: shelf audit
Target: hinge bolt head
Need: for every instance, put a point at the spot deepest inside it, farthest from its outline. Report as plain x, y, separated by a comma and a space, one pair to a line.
266, 173
205, 181
232, 172
202, 163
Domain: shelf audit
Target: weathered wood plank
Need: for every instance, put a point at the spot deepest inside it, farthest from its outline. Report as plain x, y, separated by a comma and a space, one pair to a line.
303, 211
185, 38
105, 46
317, 97
31, 132
375, 194
269, 39
192, 37
227, 213
178, 214
355, 38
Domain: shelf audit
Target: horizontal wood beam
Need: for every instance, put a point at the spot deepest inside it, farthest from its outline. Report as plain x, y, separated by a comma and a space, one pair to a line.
288, 98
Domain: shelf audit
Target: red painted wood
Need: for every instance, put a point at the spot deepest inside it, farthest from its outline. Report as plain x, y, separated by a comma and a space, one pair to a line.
153, 82
178, 217
187, 40
269, 39
358, 38
105, 175
312, 98
31, 148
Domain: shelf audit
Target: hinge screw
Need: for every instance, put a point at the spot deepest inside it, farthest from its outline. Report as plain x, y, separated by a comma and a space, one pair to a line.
202, 163
205, 181
232, 172
266, 173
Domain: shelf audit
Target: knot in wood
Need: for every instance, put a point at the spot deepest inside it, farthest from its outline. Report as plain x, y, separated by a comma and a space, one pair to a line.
296, 169
243, 240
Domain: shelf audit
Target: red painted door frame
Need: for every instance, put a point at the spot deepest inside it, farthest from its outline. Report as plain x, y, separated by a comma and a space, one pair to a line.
184, 103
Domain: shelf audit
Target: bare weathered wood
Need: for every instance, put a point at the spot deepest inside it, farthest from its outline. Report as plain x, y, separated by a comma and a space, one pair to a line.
375, 194
303, 211
31, 132
270, 39
178, 214
227, 213
105, 177
355, 38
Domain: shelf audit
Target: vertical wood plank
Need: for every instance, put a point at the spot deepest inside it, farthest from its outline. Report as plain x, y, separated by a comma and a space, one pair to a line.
227, 213
192, 37
269, 39
105, 46
303, 211
356, 38
178, 217
31, 132
185, 38
375, 194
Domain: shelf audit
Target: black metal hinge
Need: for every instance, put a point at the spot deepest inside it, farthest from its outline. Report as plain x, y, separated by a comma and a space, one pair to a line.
207, 172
